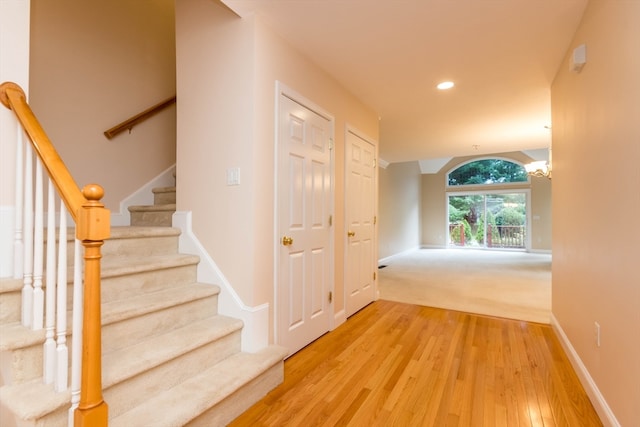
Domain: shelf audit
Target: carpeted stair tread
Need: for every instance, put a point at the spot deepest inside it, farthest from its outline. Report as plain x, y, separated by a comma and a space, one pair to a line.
8, 284
125, 232
14, 336
180, 404
116, 310
32, 400
153, 208
163, 190
119, 266
124, 363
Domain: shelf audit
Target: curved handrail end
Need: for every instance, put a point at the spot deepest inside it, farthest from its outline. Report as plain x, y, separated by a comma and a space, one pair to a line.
4, 99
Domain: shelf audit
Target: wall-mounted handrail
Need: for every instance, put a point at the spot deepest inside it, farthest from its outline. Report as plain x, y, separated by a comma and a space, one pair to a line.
92, 228
131, 122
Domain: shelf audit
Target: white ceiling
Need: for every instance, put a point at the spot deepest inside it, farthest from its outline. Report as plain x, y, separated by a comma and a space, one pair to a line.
502, 55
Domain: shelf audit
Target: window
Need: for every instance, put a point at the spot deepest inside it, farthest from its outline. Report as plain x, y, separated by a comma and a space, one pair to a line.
488, 220
487, 172
488, 217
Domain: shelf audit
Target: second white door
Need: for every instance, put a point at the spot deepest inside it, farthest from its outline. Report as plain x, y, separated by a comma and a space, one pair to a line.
360, 190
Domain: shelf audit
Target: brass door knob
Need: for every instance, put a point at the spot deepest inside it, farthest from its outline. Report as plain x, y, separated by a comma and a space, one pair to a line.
287, 241
351, 233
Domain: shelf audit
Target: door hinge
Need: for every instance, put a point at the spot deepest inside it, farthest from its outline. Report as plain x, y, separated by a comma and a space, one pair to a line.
375, 162
330, 143
330, 297
375, 219
374, 275
330, 220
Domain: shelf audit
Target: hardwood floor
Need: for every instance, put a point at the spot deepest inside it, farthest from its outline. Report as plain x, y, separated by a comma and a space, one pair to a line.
395, 364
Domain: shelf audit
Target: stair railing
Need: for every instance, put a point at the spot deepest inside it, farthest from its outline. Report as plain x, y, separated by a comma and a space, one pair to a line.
138, 118
44, 297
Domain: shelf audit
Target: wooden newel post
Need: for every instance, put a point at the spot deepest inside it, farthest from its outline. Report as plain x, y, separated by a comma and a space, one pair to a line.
93, 227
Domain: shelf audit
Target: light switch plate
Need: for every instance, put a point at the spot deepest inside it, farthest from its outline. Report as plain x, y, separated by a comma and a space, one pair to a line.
233, 176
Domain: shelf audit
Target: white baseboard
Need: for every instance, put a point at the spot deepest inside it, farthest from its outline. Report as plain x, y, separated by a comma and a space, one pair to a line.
390, 258
433, 246
142, 196
541, 251
338, 319
605, 413
255, 333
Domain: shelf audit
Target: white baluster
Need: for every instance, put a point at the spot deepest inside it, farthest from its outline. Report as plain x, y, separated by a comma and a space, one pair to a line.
27, 288
50, 290
76, 327
18, 244
38, 253
62, 352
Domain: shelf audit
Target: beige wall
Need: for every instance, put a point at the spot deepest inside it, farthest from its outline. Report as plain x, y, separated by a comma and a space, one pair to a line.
596, 198
14, 57
399, 208
434, 203
93, 65
227, 69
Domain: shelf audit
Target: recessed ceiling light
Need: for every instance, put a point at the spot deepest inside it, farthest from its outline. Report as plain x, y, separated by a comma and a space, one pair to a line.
445, 85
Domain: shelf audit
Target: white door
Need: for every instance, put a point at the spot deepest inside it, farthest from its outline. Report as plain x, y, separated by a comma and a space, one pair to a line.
361, 264
305, 255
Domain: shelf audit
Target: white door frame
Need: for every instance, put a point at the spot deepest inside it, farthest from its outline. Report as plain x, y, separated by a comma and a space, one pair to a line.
283, 90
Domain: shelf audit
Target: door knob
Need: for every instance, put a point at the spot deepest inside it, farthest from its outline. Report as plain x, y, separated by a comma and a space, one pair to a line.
287, 241
351, 233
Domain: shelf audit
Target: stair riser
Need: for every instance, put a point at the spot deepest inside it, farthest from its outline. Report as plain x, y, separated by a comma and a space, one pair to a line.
25, 363
129, 285
161, 245
152, 219
236, 403
10, 306
131, 331
21, 365
134, 246
112, 288
130, 393
58, 418
118, 287
164, 198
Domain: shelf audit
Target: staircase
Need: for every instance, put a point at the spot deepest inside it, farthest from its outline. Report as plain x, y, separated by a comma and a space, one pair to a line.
169, 359
158, 214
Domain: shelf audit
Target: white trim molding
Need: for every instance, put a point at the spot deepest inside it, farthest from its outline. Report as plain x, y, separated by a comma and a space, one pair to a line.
390, 258
339, 318
605, 413
255, 333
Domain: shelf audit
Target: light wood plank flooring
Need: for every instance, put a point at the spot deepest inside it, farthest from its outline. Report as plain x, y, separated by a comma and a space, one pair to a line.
396, 364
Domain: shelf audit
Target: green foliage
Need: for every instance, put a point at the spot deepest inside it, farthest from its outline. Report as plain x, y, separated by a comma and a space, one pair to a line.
487, 171
467, 230
465, 207
491, 220
510, 216
455, 232
455, 214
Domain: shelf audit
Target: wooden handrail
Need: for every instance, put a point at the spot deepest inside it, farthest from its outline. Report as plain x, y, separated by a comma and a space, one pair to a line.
12, 96
131, 122
92, 228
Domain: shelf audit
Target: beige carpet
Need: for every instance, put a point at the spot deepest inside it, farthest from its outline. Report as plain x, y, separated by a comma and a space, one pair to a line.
514, 285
